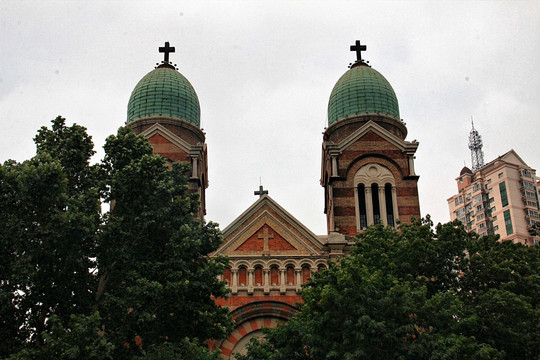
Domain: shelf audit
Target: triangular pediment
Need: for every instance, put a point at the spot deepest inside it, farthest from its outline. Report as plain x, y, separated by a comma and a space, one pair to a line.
513, 158
160, 130
266, 229
371, 130
266, 239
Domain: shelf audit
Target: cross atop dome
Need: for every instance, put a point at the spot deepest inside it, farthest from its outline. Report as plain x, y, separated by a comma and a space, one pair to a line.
166, 49
358, 49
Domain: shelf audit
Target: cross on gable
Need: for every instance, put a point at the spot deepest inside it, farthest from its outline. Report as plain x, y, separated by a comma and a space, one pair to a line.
358, 48
166, 49
265, 237
261, 192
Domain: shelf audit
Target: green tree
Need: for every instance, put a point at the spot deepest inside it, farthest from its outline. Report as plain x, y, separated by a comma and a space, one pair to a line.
156, 281
50, 215
78, 284
416, 293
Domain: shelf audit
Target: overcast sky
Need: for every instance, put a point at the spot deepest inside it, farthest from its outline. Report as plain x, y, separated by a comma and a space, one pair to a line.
264, 70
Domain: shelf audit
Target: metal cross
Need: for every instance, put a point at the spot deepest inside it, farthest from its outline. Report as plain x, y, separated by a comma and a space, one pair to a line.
166, 49
261, 192
265, 237
358, 48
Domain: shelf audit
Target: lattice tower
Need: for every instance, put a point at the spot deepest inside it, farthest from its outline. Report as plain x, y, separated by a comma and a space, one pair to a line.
475, 144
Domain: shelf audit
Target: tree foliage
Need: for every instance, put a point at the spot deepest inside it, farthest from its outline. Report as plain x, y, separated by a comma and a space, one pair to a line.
78, 284
417, 294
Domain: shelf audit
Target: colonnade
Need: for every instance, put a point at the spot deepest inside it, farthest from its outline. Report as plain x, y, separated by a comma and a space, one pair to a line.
374, 204
252, 277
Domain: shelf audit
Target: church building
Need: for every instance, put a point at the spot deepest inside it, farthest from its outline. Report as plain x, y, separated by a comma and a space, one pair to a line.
367, 173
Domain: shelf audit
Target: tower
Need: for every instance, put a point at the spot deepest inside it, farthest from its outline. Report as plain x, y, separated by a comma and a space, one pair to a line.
164, 108
475, 145
367, 166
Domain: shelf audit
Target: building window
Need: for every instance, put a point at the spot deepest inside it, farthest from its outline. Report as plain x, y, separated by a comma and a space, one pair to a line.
529, 194
258, 276
362, 205
477, 198
526, 173
375, 202
274, 275
489, 181
508, 223
500, 175
528, 185
532, 214
290, 275
242, 276
375, 196
504, 196
306, 273
496, 227
476, 187
480, 216
389, 205
227, 276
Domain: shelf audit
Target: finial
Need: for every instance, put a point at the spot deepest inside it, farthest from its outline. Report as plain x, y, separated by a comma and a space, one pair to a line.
261, 192
358, 49
166, 49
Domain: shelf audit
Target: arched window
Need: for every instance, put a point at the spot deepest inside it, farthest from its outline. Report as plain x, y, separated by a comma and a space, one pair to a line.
274, 275
258, 276
290, 275
227, 275
389, 205
375, 196
306, 273
362, 206
242, 276
375, 202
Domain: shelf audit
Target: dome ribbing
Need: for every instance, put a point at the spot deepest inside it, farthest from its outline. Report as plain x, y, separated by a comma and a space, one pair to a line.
359, 91
164, 92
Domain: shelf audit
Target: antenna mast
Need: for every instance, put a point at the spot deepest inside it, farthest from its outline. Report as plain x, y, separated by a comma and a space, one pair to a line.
475, 145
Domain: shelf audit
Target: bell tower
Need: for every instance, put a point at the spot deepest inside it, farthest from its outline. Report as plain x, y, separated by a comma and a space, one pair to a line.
164, 108
367, 165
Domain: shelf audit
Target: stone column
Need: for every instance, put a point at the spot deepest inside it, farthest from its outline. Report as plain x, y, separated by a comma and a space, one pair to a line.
382, 206
334, 166
250, 280
298, 272
282, 280
266, 273
234, 280
410, 158
394, 204
369, 205
357, 209
195, 167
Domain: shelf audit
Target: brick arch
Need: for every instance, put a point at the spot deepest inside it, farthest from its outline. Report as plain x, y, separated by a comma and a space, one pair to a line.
251, 318
389, 163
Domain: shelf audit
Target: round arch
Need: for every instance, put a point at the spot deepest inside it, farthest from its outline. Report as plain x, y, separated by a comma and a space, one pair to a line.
250, 319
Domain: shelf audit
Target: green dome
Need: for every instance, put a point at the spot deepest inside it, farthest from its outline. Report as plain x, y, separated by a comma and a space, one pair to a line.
362, 90
164, 92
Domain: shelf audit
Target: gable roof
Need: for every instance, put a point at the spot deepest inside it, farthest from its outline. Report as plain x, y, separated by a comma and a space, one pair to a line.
267, 213
371, 126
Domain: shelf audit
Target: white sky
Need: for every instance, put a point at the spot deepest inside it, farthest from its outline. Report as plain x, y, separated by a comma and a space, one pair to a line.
264, 70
